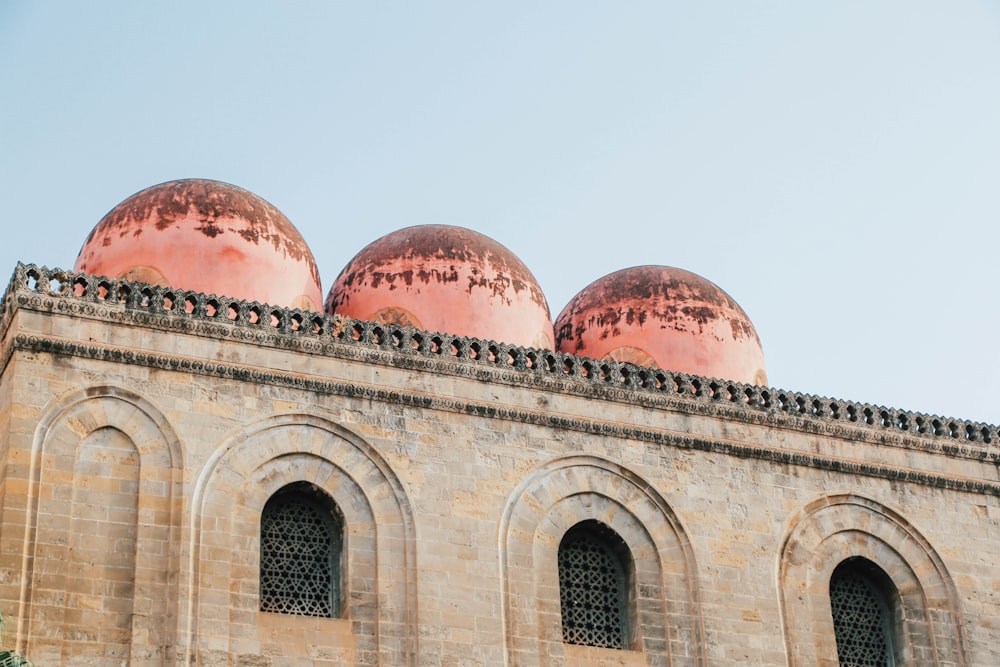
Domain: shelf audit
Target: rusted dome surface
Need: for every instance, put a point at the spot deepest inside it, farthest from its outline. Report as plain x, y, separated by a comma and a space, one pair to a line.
206, 236
664, 317
448, 279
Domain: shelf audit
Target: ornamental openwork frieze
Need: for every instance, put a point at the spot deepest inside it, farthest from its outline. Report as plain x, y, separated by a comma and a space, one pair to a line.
211, 316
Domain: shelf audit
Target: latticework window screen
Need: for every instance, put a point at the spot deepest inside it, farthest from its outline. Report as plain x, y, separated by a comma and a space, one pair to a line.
592, 591
299, 557
861, 619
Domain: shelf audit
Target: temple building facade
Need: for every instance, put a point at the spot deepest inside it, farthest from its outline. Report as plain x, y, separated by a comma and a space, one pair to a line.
203, 461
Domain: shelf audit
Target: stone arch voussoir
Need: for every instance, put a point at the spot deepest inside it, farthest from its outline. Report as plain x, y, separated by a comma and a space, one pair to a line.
833, 528
247, 469
554, 498
64, 424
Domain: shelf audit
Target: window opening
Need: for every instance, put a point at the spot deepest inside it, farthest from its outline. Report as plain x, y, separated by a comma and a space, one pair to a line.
862, 619
300, 550
592, 586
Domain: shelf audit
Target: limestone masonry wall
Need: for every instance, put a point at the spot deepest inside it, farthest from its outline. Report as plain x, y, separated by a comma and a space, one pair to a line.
143, 429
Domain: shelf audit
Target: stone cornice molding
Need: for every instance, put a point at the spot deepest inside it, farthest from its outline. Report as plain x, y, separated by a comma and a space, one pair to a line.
206, 315
543, 418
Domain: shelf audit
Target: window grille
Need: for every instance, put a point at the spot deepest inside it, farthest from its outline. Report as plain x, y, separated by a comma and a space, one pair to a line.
861, 619
300, 548
592, 589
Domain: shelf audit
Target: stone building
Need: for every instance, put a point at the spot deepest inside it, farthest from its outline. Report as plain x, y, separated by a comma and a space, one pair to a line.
191, 476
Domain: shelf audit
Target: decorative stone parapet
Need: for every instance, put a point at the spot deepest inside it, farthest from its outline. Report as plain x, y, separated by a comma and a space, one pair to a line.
216, 316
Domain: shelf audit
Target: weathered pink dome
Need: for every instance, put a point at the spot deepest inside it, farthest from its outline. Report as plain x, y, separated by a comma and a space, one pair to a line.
205, 236
663, 317
447, 279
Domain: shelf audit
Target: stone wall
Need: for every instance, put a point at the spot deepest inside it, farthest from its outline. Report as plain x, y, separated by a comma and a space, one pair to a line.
144, 429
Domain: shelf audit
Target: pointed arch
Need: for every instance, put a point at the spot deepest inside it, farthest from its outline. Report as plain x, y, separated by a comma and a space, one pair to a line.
835, 529
560, 495
105, 466
379, 573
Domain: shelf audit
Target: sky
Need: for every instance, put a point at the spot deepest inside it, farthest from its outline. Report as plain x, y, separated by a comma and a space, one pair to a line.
833, 166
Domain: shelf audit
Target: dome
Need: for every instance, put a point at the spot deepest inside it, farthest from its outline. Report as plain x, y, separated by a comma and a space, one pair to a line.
663, 317
205, 236
447, 279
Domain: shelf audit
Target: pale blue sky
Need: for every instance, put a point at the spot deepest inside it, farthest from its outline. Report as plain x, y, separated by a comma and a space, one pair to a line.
832, 165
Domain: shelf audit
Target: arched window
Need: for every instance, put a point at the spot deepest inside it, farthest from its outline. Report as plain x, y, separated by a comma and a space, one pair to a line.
300, 553
595, 568
861, 597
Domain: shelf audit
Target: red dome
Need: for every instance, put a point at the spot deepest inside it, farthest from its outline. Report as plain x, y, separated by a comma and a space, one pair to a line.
205, 236
448, 279
663, 317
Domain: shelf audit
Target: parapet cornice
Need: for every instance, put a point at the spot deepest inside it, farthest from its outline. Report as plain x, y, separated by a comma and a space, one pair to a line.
82, 295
